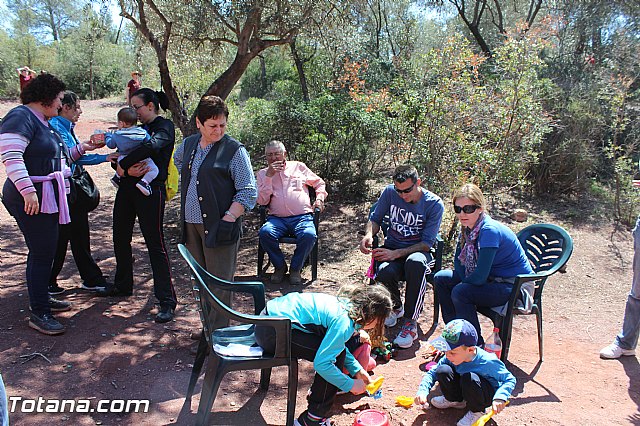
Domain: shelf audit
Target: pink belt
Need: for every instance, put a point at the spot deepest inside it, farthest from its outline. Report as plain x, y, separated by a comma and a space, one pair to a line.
49, 204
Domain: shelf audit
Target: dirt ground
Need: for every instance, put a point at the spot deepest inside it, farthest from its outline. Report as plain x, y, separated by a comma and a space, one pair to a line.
113, 350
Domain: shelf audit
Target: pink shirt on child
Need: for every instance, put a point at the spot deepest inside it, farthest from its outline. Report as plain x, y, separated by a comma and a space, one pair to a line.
286, 193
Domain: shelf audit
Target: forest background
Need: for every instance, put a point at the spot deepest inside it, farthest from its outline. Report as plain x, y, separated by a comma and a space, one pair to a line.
533, 97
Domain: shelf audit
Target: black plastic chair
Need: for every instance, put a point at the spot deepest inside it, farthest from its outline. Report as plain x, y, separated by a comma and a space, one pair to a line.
291, 239
548, 249
436, 252
218, 365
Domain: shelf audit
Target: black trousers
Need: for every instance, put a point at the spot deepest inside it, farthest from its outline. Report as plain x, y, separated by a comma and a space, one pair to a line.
77, 232
129, 204
305, 346
476, 390
40, 233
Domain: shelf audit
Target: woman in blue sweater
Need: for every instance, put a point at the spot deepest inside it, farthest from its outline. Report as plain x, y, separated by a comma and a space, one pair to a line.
323, 326
76, 232
487, 260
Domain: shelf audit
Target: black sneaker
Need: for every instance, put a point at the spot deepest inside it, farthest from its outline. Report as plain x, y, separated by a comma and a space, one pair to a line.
94, 287
46, 324
165, 315
55, 289
304, 420
58, 305
112, 292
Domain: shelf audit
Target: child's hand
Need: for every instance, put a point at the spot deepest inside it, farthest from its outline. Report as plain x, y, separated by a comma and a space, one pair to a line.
420, 399
358, 387
364, 337
498, 405
364, 376
113, 157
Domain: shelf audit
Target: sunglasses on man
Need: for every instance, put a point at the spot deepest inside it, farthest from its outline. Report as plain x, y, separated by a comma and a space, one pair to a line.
404, 191
468, 209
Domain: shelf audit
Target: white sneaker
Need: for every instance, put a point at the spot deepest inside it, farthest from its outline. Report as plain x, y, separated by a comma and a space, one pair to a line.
443, 403
407, 335
470, 418
613, 351
392, 319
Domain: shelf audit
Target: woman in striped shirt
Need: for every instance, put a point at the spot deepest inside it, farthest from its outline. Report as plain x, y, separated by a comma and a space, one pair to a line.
36, 160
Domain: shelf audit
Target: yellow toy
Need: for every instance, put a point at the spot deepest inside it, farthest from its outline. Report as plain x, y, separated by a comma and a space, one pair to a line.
375, 385
484, 419
404, 401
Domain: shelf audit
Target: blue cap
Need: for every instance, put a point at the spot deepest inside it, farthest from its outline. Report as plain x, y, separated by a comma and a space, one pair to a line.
456, 333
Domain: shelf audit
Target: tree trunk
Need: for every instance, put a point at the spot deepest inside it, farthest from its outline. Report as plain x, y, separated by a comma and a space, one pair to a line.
300, 68
263, 76
52, 22
480, 40
223, 85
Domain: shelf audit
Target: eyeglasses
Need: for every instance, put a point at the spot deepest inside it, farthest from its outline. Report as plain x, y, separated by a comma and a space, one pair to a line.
136, 107
404, 191
468, 209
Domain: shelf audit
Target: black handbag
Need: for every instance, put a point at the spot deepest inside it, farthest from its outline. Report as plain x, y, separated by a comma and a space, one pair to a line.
84, 192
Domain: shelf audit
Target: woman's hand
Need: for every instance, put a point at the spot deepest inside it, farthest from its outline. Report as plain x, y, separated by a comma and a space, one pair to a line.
113, 157
139, 169
31, 205
95, 141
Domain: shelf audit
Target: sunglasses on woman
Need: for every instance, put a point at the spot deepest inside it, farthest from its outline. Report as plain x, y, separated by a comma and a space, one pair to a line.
468, 209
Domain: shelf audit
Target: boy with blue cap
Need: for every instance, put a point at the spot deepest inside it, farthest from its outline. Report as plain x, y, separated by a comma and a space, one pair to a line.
468, 376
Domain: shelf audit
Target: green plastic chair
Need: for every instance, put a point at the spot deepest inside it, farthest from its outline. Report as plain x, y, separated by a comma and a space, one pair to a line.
217, 364
548, 248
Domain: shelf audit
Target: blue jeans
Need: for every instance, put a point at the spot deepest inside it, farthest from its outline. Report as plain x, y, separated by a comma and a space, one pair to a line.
275, 227
462, 299
628, 337
4, 411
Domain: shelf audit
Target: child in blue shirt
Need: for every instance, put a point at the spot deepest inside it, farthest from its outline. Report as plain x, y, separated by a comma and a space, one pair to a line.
468, 376
128, 138
323, 326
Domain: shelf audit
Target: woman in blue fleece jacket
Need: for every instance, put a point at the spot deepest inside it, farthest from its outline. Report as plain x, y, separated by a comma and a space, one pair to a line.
487, 260
323, 326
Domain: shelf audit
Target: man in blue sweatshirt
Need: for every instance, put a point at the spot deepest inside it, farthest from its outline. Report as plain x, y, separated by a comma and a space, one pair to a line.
468, 376
413, 215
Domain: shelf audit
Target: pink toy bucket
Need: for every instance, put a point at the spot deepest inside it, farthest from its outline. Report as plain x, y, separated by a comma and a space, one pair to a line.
372, 418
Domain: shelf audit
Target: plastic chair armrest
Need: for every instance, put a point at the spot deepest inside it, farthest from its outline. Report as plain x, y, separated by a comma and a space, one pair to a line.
262, 210
253, 288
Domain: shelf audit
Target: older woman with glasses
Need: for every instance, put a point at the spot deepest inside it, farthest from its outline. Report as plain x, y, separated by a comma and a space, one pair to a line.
487, 260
